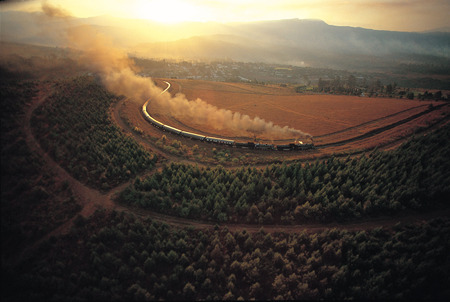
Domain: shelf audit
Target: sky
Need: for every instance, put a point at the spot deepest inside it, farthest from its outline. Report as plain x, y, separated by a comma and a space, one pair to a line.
397, 15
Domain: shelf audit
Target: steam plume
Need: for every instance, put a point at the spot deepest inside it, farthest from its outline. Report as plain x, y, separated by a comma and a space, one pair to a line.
117, 72
54, 11
201, 112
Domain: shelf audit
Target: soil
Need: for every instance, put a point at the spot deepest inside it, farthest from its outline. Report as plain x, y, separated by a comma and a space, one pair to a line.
317, 114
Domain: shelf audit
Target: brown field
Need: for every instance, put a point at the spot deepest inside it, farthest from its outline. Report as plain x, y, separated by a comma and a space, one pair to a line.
328, 118
331, 119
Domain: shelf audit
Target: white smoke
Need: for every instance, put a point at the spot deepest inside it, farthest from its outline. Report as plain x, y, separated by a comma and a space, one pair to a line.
203, 113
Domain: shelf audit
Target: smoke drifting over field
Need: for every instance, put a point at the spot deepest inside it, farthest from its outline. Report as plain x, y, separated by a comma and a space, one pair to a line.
203, 113
118, 74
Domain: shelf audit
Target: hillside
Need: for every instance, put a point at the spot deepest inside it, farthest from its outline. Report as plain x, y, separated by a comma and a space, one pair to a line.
297, 42
310, 43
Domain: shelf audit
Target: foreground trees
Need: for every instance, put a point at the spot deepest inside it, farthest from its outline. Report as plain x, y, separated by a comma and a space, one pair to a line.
413, 177
33, 202
73, 125
115, 256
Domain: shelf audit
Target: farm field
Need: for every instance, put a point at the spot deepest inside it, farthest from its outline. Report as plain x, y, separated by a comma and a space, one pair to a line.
330, 119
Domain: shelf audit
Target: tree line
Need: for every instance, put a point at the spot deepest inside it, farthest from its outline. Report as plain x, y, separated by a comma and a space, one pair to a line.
352, 85
32, 202
116, 256
74, 126
415, 176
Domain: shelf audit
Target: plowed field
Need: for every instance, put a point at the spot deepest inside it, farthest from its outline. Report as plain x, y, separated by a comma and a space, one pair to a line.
328, 118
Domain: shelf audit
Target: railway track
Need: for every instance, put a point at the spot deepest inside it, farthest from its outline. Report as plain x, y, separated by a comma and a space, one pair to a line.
218, 140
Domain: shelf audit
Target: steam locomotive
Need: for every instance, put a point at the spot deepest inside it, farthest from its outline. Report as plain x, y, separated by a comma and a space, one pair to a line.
222, 141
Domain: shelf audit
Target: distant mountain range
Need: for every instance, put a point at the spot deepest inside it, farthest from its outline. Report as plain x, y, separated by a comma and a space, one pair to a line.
296, 42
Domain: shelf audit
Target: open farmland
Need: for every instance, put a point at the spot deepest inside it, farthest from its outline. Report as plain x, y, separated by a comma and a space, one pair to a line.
330, 119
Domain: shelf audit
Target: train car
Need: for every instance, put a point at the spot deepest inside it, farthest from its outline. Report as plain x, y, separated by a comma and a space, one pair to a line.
144, 110
193, 135
248, 145
285, 147
228, 142
265, 146
219, 140
150, 118
154, 122
171, 129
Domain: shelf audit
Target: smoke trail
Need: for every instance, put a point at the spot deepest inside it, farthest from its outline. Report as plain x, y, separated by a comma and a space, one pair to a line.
203, 113
54, 11
117, 72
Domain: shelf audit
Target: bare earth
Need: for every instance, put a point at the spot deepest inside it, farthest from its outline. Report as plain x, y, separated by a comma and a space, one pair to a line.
316, 114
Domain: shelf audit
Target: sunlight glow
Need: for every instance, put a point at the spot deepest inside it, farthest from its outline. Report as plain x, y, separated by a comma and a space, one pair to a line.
167, 11
417, 15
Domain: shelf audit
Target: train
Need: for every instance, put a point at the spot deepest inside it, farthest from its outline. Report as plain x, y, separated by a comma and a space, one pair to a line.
222, 141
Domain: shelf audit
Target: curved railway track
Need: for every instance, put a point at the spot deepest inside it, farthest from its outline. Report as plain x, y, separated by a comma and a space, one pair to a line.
291, 146
217, 140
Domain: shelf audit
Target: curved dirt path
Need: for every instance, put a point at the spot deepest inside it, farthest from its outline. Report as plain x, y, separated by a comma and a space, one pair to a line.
91, 199
309, 227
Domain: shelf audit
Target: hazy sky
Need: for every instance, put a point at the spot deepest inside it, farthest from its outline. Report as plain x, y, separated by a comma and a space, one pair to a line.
401, 15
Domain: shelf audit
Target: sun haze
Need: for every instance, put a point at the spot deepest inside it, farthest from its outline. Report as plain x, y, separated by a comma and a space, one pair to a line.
398, 15
168, 11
